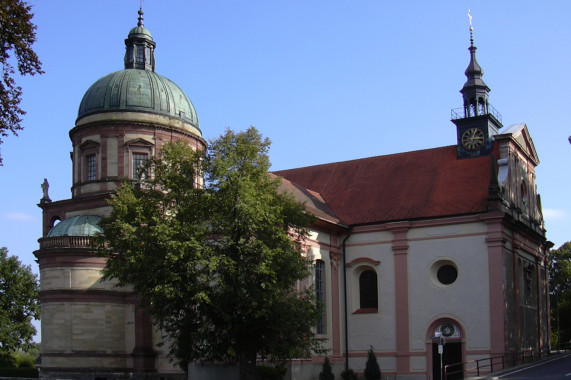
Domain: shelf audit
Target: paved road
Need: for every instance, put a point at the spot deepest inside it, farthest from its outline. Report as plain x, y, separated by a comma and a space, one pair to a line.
557, 368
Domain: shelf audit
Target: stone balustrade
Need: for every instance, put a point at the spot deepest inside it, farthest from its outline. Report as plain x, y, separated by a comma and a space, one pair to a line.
66, 242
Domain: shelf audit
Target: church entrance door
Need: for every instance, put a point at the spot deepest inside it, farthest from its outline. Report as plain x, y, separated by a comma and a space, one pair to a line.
452, 355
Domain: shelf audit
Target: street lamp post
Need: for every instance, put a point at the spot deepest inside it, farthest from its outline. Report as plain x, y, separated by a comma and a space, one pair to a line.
441, 342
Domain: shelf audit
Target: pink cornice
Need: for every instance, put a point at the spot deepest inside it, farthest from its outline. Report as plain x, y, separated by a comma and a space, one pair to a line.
393, 226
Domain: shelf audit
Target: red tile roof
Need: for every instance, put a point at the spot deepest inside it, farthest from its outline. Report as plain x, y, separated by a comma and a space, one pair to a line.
413, 185
313, 201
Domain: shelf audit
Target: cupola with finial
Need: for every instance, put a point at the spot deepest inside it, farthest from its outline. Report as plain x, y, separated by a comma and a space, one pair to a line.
477, 121
140, 47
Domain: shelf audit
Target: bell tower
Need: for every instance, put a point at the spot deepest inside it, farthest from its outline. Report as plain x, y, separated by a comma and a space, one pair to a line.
477, 121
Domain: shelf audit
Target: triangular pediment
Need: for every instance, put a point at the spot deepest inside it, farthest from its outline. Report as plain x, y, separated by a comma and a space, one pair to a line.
519, 134
89, 144
139, 142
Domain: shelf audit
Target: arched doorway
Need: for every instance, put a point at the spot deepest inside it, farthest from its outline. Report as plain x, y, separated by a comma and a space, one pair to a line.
446, 349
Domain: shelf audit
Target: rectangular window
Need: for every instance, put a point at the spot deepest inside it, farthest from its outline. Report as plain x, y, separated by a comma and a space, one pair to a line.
91, 161
139, 160
140, 54
320, 294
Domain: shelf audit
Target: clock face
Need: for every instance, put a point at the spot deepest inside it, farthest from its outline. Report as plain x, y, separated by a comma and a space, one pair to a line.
473, 138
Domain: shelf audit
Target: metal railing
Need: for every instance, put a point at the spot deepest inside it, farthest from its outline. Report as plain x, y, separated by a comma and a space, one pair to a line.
495, 363
460, 113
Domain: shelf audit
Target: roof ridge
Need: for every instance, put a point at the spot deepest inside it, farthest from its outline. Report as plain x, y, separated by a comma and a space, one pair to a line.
366, 158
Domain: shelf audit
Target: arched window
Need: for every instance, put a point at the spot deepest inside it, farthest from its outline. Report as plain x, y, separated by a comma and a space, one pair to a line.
320, 293
368, 293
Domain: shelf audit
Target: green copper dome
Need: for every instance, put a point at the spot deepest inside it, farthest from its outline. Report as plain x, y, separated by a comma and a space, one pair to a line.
138, 91
83, 225
140, 31
138, 88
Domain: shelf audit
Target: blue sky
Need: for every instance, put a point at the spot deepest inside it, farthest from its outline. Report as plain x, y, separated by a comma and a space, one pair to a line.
324, 80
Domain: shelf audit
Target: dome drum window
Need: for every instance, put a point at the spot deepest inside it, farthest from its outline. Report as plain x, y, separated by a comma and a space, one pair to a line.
139, 151
89, 166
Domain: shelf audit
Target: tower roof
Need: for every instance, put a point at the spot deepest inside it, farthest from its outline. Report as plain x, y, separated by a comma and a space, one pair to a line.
138, 88
475, 87
474, 72
140, 31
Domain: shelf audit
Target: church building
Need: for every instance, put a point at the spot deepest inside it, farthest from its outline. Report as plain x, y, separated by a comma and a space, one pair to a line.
410, 249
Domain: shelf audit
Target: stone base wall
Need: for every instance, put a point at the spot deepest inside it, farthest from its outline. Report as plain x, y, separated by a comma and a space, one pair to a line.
69, 375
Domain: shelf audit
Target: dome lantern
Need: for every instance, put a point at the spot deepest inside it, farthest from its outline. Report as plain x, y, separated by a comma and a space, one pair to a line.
140, 47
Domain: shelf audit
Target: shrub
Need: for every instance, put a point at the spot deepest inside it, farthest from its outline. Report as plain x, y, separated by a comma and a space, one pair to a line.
19, 372
372, 369
264, 372
348, 375
326, 372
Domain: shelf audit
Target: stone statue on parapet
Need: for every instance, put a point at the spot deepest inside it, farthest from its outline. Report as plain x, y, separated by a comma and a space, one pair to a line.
45, 187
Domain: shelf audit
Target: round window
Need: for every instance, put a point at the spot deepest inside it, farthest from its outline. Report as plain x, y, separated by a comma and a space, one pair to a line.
447, 274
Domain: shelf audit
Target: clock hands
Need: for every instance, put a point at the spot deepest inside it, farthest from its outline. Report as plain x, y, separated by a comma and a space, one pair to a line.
473, 138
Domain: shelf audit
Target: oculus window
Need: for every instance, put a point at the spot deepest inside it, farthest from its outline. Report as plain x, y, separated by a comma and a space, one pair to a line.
444, 273
447, 274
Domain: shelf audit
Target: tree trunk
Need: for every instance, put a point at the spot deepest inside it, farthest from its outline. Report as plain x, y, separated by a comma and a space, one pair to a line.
248, 365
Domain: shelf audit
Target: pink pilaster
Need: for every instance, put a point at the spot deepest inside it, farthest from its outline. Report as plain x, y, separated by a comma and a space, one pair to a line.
496, 268
400, 250
335, 258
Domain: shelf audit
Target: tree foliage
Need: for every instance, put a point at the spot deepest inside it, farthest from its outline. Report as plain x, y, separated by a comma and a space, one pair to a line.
216, 261
17, 35
560, 291
19, 304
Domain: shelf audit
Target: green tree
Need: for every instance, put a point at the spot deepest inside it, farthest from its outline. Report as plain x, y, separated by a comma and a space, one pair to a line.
216, 260
560, 292
372, 369
17, 35
19, 304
